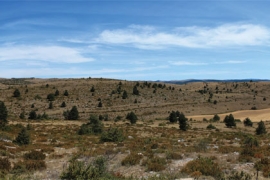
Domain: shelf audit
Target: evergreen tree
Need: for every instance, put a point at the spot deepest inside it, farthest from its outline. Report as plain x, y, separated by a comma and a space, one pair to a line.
73, 114
132, 117
3, 114
124, 96
56, 93
183, 124
23, 137
22, 116
16, 93
51, 97
173, 117
50, 105
92, 89
100, 104
66, 93
216, 118
135, 90
94, 126
248, 122
261, 128
63, 104
32, 115
229, 121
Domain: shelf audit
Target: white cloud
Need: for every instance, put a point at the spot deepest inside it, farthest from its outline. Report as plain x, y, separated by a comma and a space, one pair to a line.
56, 54
231, 62
186, 63
193, 37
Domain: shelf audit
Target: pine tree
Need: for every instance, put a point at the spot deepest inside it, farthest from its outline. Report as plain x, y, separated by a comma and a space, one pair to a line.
32, 115
51, 97
92, 89
3, 114
66, 93
100, 104
135, 90
63, 104
16, 93
216, 118
50, 105
261, 128
132, 117
248, 122
23, 137
73, 113
124, 96
56, 93
183, 124
229, 121
173, 117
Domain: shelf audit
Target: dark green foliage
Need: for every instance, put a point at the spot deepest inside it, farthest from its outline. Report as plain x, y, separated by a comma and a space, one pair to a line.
73, 114
23, 137
32, 115
22, 116
132, 117
56, 93
216, 118
50, 105
51, 97
248, 122
32, 105
239, 176
78, 170
34, 155
94, 126
112, 135
173, 117
92, 89
63, 104
183, 124
66, 93
16, 93
135, 90
261, 128
210, 126
205, 166
100, 104
3, 114
124, 96
229, 121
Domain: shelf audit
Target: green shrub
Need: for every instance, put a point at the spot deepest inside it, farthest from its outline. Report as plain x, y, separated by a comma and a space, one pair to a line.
156, 164
112, 135
204, 165
5, 165
23, 137
210, 126
33, 165
173, 155
78, 170
131, 160
95, 126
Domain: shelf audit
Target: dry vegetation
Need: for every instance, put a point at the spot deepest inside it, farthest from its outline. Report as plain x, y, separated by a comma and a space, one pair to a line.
152, 148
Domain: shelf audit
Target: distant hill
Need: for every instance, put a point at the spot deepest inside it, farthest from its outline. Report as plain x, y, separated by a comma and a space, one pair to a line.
214, 80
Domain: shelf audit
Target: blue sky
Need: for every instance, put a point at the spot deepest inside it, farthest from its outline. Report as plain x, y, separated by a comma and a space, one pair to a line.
135, 40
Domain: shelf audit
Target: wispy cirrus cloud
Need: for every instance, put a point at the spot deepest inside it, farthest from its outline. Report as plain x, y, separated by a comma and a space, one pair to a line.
192, 37
231, 62
186, 63
56, 54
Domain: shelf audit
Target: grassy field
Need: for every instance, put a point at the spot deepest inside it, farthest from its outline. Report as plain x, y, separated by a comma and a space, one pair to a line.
152, 147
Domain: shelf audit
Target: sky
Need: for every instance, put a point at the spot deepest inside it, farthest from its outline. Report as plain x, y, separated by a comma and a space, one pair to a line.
135, 39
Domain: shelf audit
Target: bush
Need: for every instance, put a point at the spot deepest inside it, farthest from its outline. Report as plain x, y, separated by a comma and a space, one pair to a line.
131, 160
66, 93
63, 104
229, 121
173, 155
248, 122
95, 126
32, 115
33, 165
73, 114
78, 170
3, 114
16, 93
261, 128
23, 137
132, 117
156, 164
51, 97
183, 125
112, 135
204, 165
216, 118
210, 126
34, 155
